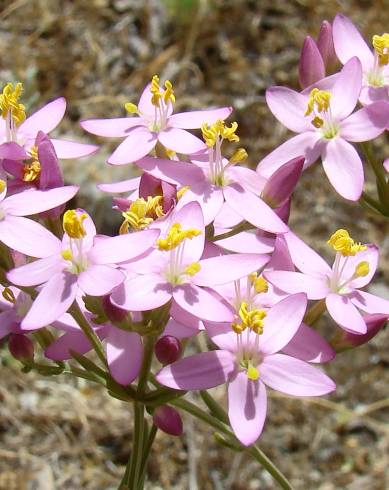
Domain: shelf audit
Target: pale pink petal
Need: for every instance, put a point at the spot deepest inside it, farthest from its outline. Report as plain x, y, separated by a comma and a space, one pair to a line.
226, 268
343, 101
294, 377
345, 314
222, 335
180, 141
305, 258
348, 42
289, 107
56, 296
307, 144
296, 282
7, 321
122, 186
281, 257
253, 209
344, 169
179, 330
45, 119
172, 171
247, 242
145, 106
247, 405
98, 280
34, 201
370, 303
27, 237
226, 219
370, 94
309, 346
140, 293
122, 247
208, 196
60, 349
349, 264
249, 179
124, 355
72, 149
139, 142
282, 322
195, 119
198, 372
367, 123
185, 318
202, 303
36, 272
111, 128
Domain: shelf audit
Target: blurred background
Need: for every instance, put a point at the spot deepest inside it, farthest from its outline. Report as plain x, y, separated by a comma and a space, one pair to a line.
56, 433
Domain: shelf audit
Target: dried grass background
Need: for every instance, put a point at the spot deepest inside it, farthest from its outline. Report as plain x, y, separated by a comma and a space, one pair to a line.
57, 433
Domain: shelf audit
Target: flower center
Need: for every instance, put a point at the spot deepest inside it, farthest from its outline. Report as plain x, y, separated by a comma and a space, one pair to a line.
141, 213
319, 110
74, 228
376, 77
342, 243
31, 171
11, 109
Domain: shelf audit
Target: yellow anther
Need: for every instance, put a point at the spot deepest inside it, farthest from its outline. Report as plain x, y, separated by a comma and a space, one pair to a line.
252, 319
381, 46
9, 103
239, 156
182, 191
175, 236
169, 93
155, 91
67, 254
131, 108
259, 283
8, 295
342, 243
252, 373
192, 269
317, 122
362, 269
319, 100
72, 223
238, 328
31, 171
170, 153
3, 185
218, 130
141, 213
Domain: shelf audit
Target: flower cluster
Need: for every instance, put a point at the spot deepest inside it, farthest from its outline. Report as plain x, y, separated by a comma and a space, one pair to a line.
204, 244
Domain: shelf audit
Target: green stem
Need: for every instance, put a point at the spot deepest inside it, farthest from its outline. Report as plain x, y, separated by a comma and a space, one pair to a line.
379, 172
372, 204
238, 229
213, 406
146, 453
315, 312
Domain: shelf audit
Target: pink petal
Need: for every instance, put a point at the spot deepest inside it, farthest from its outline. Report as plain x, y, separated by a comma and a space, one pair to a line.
98, 280
124, 355
195, 119
185, 318
56, 296
311, 67
294, 377
367, 123
12, 151
348, 42
370, 303
304, 258
280, 259
282, 322
307, 144
307, 345
198, 372
45, 119
111, 128
60, 349
28, 237
349, 264
344, 168
370, 94
249, 179
247, 242
247, 405
253, 209
386, 165
288, 107
36, 272
140, 293
180, 141
343, 101
145, 106
208, 196
7, 321
139, 142
172, 171
72, 149
345, 314
34, 201
122, 247
122, 186
296, 282
202, 303
179, 330
222, 335
226, 268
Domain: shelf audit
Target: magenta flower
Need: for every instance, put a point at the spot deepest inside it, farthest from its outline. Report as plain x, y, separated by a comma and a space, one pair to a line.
248, 361
79, 264
340, 285
326, 127
348, 43
174, 270
155, 122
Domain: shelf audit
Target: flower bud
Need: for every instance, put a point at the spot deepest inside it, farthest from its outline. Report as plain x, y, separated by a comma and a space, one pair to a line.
311, 66
325, 44
113, 313
168, 420
168, 349
21, 347
374, 322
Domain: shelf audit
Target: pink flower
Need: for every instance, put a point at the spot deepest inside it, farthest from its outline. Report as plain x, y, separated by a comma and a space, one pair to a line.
155, 122
248, 361
348, 43
340, 285
79, 264
326, 127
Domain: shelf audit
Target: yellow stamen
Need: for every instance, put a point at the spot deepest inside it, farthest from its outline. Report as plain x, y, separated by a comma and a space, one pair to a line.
259, 283
212, 133
8, 295
73, 223
381, 46
341, 242
252, 373
31, 171
318, 122
238, 328
193, 269
141, 213
319, 100
67, 254
182, 191
169, 93
131, 108
362, 269
170, 153
252, 319
175, 236
239, 156
3, 185
9, 103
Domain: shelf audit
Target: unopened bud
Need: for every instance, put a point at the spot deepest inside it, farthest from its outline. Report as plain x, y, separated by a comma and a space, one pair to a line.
311, 67
347, 340
113, 313
325, 43
168, 349
21, 347
168, 420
